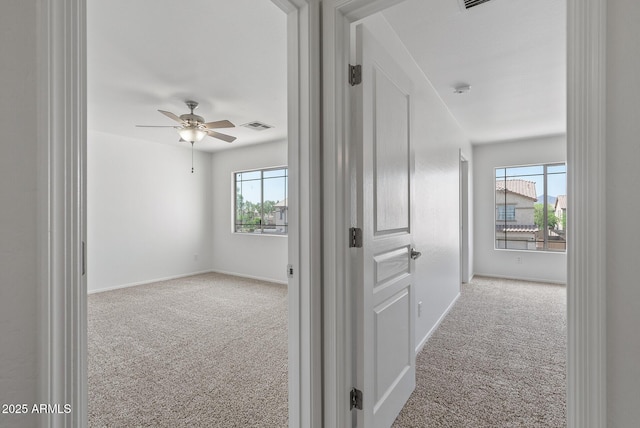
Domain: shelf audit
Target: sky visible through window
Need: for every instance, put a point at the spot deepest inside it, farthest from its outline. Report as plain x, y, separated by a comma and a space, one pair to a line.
556, 177
275, 182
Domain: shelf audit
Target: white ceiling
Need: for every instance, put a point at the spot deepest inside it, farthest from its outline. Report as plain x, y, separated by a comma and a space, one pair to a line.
230, 56
511, 52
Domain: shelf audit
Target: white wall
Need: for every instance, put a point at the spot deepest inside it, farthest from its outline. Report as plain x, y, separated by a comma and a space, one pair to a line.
18, 209
437, 139
251, 255
536, 265
148, 216
623, 206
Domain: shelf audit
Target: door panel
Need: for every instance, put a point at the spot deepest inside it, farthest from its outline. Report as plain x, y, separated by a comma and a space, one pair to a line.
389, 319
391, 264
391, 164
383, 270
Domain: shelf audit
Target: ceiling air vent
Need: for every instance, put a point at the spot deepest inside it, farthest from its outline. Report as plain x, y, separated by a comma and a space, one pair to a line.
257, 126
468, 4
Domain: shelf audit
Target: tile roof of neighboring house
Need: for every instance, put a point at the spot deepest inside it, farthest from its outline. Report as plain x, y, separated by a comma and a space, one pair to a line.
520, 187
516, 228
282, 203
561, 202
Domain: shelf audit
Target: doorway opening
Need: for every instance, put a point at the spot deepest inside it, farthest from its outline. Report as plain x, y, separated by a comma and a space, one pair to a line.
160, 211
341, 16
62, 132
398, 28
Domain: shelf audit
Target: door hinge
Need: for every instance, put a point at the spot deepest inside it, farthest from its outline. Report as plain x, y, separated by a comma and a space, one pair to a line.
355, 237
290, 271
356, 399
355, 74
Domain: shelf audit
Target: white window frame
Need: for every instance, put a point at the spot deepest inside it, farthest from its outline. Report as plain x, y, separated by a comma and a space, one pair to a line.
545, 208
262, 213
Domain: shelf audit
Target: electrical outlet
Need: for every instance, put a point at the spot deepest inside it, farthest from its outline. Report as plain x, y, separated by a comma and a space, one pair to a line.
518, 260
419, 308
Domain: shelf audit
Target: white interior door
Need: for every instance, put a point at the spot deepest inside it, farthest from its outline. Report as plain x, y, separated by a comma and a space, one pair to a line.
383, 269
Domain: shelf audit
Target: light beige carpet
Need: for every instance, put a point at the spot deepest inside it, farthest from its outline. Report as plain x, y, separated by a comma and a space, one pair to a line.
211, 351
497, 360
204, 351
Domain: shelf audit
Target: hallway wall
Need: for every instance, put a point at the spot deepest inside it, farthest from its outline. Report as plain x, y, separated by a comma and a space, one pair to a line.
622, 235
437, 140
19, 213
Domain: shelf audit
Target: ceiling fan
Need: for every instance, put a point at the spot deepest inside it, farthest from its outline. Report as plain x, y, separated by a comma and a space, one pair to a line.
193, 128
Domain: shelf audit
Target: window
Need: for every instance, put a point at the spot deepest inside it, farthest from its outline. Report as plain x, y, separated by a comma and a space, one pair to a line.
261, 205
531, 207
509, 214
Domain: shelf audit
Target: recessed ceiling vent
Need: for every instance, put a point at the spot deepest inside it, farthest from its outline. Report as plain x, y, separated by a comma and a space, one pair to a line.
257, 126
468, 4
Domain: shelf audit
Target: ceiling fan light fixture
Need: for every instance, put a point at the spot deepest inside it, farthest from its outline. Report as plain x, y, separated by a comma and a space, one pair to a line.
193, 128
192, 133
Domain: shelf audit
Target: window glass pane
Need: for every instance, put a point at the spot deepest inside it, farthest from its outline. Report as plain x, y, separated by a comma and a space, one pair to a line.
248, 205
249, 175
524, 170
515, 200
275, 205
275, 173
557, 211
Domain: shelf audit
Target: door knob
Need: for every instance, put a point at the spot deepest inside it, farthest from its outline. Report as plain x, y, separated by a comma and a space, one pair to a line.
415, 254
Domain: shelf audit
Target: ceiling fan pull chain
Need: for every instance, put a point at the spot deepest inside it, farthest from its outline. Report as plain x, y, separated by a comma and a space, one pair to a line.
192, 157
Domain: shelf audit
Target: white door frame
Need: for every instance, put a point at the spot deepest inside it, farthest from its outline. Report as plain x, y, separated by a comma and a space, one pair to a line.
62, 210
586, 386
463, 174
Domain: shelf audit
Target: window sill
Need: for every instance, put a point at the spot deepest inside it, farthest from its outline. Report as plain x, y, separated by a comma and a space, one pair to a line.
532, 251
276, 235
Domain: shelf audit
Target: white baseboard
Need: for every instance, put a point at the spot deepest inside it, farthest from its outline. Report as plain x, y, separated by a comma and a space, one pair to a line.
242, 275
133, 284
521, 278
437, 324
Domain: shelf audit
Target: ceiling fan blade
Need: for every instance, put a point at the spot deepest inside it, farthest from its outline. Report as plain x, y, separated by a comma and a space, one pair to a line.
223, 137
171, 116
219, 124
155, 126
